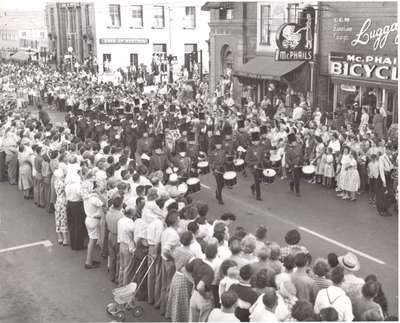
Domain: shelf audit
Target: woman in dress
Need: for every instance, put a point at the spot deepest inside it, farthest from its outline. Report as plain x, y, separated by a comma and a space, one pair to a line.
60, 208
181, 285
342, 172
351, 182
53, 166
46, 178
25, 180
329, 171
169, 242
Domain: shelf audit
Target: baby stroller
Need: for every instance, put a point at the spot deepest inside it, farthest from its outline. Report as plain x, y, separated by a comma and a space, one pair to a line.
124, 297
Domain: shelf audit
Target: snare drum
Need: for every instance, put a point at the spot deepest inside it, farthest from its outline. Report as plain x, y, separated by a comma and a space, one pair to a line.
203, 167
230, 178
308, 172
239, 165
193, 184
275, 160
269, 176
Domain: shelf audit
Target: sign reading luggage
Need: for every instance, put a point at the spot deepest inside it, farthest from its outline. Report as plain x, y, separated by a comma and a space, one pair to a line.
296, 41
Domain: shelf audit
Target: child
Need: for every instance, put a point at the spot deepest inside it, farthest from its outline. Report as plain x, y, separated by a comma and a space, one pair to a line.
329, 171
230, 272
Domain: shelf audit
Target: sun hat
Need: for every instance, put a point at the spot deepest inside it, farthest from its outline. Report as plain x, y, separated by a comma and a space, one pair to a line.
349, 261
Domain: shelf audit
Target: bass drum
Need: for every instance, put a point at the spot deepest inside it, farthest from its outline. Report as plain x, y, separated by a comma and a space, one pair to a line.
230, 178
193, 185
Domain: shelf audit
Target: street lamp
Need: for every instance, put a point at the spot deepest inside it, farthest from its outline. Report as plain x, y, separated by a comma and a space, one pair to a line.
70, 50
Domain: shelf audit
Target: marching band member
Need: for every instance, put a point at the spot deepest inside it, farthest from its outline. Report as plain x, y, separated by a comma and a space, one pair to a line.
294, 162
254, 160
217, 163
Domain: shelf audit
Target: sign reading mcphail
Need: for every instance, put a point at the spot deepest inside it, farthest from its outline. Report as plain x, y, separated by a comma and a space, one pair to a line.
129, 41
296, 41
363, 66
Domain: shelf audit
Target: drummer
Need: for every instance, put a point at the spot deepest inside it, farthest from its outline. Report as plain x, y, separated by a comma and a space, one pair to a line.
294, 162
255, 160
217, 160
242, 141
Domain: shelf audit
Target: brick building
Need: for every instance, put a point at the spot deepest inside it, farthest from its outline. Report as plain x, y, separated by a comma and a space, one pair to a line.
71, 25
242, 39
358, 56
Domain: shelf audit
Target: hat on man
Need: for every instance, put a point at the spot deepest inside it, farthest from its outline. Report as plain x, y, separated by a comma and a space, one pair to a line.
349, 261
255, 136
191, 136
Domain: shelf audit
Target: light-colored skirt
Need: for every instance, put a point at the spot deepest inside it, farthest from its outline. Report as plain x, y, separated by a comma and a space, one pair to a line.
351, 181
25, 180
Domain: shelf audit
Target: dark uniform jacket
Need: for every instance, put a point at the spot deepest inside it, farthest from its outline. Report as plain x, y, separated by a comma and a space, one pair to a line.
217, 160
255, 156
294, 155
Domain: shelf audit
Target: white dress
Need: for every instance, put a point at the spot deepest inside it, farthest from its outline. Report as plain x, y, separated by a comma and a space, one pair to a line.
351, 181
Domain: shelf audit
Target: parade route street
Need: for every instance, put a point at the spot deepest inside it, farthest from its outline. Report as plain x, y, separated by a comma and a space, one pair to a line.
43, 284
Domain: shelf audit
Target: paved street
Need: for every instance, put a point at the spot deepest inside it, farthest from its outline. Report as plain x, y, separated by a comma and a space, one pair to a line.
52, 284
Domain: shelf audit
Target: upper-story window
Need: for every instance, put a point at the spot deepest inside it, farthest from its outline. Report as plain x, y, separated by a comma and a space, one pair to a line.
137, 16
293, 12
265, 25
87, 15
115, 15
158, 17
190, 17
23, 34
225, 14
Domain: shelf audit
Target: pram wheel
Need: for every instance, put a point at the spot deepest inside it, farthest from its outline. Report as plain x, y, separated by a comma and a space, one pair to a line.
120, 316
137, 311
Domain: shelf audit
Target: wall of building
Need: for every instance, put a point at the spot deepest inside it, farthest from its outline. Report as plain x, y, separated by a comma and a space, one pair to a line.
12, 25
238, 35
173, 35
71, 25
346, 29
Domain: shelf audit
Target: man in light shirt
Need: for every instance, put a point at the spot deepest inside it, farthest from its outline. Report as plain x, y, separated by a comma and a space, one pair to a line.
125, 238
334, 296
93, 206
154, 231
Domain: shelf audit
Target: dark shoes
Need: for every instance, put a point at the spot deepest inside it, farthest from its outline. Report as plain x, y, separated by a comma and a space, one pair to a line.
220, 202
259, 198
93, 265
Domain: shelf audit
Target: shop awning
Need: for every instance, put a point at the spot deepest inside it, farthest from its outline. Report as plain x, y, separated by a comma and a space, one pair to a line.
20, 56
265, 67
217, 5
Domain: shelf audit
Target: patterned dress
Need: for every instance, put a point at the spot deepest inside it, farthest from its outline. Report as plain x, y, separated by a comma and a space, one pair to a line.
60, 207
178, 303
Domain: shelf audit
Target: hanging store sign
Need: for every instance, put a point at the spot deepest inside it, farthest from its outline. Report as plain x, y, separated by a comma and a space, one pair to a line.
363, 66
348, 88
296, 41
128, 41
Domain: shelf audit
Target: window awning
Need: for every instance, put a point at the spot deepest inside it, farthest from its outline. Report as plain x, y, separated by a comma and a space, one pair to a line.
265, 67
20, 56
217, 5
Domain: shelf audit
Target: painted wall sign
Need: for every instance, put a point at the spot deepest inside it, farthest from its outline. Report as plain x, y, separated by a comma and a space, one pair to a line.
296, 41
378, 36
363, 66
129, 41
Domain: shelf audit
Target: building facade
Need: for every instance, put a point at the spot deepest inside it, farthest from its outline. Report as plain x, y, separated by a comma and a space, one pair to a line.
132, 34
358, 56
71, 26
23, 31
243, 39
